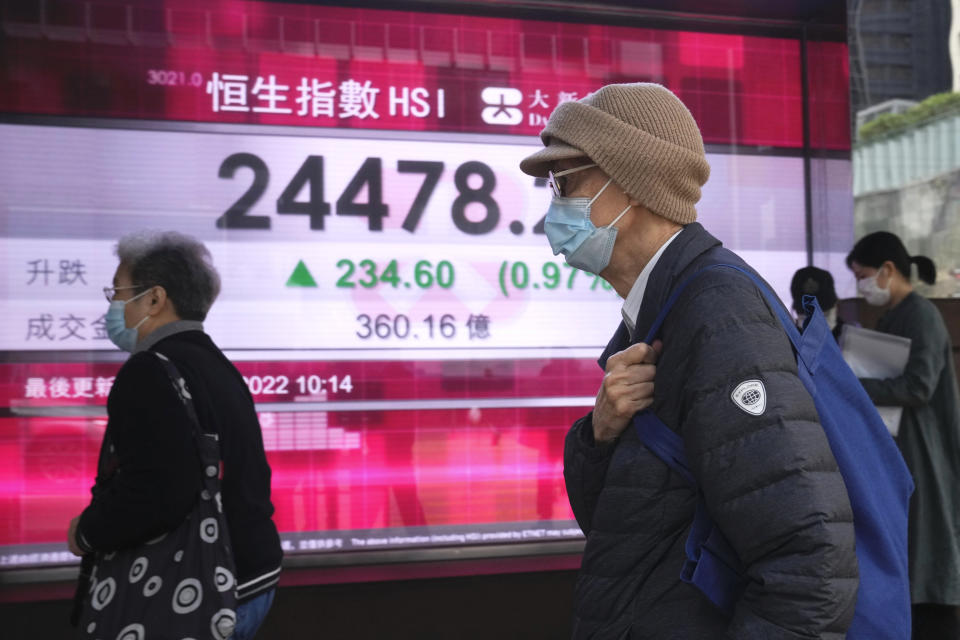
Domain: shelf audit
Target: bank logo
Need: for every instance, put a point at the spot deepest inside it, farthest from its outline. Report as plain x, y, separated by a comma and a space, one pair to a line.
502, 105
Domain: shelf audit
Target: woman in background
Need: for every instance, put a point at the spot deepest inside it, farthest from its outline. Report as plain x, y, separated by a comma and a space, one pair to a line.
929, 435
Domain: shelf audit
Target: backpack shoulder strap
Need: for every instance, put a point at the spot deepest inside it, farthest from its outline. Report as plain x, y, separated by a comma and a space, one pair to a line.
770, 297
711, 564
664, 442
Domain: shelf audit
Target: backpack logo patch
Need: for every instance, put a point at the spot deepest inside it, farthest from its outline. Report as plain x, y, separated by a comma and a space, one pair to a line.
751, 397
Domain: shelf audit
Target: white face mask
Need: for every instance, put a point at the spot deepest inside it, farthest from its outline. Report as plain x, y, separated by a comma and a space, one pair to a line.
571, 232
117, 330
872, 292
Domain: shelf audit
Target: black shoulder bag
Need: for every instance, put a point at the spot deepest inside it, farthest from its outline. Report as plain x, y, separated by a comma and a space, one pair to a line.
180, 584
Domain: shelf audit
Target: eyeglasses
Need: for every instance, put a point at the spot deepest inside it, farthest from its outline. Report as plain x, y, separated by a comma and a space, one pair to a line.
111, 292
558, 180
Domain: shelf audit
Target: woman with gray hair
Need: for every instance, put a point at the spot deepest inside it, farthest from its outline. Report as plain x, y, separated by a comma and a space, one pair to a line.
150, 477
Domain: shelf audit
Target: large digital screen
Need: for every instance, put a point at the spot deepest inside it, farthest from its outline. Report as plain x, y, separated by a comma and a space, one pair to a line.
415, 351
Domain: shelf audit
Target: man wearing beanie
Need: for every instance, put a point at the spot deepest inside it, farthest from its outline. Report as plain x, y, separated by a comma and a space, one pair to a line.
626, 164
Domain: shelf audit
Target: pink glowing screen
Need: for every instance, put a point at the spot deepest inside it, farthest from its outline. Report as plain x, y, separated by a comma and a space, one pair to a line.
416, 353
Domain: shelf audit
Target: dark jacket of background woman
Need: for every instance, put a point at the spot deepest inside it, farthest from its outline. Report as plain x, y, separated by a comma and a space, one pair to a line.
929, 438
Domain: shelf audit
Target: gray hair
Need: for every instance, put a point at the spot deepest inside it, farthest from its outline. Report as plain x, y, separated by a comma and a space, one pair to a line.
178, 263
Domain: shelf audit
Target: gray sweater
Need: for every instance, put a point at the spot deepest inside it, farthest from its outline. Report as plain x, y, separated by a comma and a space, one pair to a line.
770, 481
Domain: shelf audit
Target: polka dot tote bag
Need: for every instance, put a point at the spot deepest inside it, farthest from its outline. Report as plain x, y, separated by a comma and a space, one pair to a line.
179, 585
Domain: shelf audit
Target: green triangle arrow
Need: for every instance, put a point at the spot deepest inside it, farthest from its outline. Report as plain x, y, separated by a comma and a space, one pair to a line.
301, 277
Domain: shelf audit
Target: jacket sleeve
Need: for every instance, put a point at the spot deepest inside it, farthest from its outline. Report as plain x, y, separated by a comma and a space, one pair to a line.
158, 476
585, 464
916, 385
770, 481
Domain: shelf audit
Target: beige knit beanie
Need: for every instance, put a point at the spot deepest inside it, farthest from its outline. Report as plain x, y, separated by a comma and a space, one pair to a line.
641, 135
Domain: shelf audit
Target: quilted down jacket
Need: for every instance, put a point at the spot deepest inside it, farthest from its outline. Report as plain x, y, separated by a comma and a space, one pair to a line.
770, 481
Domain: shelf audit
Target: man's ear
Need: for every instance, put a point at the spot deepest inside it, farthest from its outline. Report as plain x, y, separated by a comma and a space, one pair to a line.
157, 299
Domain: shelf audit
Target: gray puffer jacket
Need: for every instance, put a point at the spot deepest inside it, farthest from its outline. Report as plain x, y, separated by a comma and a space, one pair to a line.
770, 481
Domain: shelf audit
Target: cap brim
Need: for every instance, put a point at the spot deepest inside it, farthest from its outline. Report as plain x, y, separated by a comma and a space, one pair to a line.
538, 164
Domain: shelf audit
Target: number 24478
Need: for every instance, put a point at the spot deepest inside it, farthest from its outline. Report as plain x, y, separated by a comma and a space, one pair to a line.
370, 175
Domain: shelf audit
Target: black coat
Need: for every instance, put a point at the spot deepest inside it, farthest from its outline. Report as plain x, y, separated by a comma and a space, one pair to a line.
929, 439
770, 482
148, 477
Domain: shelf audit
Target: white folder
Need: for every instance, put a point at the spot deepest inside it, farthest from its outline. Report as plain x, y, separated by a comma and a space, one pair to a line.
873, 354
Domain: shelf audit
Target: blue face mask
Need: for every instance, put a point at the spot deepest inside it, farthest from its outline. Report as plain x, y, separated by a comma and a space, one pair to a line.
572, 233
117, 330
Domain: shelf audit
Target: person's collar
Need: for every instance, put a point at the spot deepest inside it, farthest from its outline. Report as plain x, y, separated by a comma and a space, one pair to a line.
631, 305
167, 330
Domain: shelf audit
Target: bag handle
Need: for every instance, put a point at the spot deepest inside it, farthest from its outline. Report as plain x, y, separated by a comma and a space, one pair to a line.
208, 444
806, 346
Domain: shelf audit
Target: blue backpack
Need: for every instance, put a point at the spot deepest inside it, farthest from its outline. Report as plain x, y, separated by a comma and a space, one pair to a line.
877, 480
